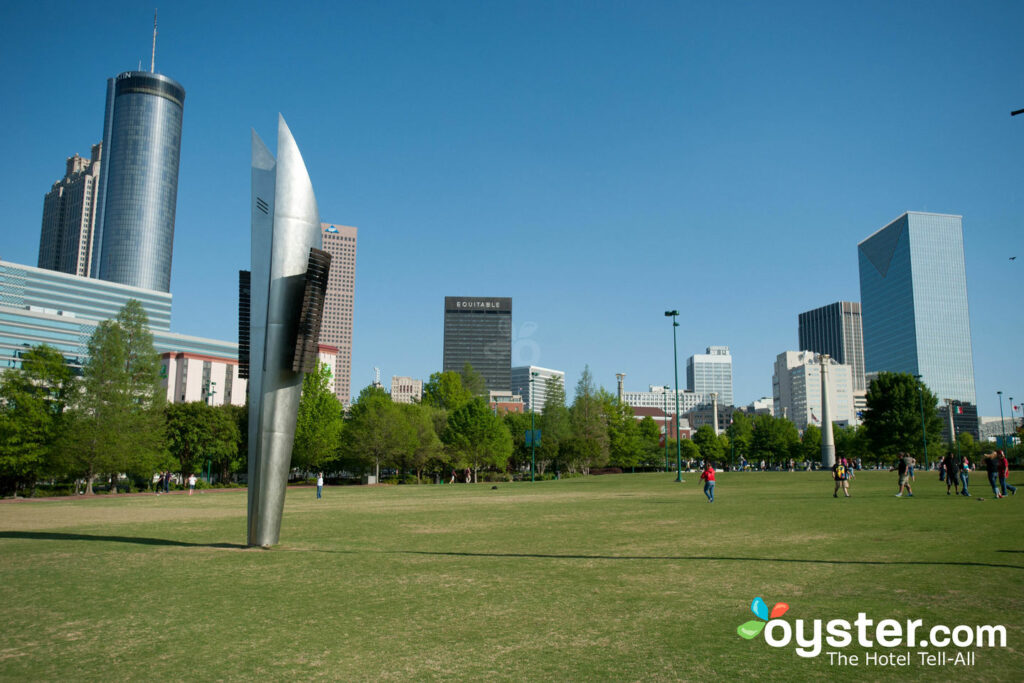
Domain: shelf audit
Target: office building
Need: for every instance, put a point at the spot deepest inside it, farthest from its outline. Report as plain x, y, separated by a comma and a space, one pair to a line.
478, 331
796, 390
520, 379
665, 399
69, 217
504, 402
406, 389
190, 377
836, 330
134, 236
913, 293
711, 372
336, 330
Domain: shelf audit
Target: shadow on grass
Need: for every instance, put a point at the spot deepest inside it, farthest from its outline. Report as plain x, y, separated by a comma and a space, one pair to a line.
140, 540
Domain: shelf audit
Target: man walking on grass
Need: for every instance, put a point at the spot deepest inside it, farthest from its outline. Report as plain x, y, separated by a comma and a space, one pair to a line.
841, 474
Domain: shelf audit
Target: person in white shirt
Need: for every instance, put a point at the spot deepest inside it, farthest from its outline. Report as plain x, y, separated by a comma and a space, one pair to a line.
191, 483
320, 485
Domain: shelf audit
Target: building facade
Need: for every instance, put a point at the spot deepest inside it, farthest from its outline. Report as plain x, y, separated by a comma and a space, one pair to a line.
913, 290
478, 331
711, 372
69, 217
134, 236
796, 390
520, 380
190, 377
836, 329
336, 329
504, 402
406, 389
664, 399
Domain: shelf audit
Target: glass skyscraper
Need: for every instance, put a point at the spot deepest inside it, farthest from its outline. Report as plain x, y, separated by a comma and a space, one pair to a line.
478, 331
913, 290
134, 234
836, 330
711, 372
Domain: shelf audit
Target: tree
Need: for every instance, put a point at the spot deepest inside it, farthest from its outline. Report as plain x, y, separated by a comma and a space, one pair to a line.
708, 444
588, 428
473, 381
740, 433
850, 442
197, 433
319, 422
518, 424
892, 421
375, 433
32, 402
650, 442
774, 439
421, 447
227, 462
553, 424
625, 446
445, 390
810, 444
477, 437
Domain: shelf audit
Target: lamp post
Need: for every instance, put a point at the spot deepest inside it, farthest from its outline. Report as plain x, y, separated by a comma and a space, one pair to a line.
533, 430
924, 436
665, 403
675, 359
1002, 422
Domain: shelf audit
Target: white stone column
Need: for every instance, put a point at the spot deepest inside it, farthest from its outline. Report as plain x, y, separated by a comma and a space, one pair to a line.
828, 444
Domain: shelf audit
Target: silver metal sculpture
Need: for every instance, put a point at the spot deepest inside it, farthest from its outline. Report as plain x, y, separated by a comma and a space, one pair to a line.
285, 226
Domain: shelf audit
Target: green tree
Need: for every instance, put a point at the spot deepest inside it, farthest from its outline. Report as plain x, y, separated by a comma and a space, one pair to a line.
774, 439
740, 433
421, 447
375, 433
810, 444
553, 424
588, 428
518, 424
477, 438
708, 443
197, 433
689, 452
32, 402
473, 381
650, 443
226, 463
850, 442
625, 445
445, 390
892, 421
319, 422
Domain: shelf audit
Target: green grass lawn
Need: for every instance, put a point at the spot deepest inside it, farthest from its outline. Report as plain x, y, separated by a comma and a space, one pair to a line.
623, 577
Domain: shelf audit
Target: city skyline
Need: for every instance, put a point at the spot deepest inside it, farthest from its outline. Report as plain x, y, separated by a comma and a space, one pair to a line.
720, 142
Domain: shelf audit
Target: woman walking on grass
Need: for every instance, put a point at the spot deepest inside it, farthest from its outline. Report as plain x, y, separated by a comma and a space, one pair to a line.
708, 477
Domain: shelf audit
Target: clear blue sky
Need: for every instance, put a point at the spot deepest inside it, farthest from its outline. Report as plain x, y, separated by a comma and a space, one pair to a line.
599, 162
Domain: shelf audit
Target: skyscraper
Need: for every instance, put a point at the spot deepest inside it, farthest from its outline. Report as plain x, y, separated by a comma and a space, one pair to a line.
134, 234
520, 382
340, 243
796, 390
913, 292
478, 331
711, 372
836, 330
69, 217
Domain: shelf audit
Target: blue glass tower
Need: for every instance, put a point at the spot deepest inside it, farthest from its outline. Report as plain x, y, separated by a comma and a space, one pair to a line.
138, 180
913, 290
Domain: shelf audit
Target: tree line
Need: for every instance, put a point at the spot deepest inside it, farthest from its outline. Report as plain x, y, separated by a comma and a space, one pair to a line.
112, 419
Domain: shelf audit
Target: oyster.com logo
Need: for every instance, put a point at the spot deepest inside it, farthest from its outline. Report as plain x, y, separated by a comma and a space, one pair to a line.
753, 627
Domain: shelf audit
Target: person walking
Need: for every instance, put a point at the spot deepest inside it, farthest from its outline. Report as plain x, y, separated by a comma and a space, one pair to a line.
992, 469
708, 477
903, 468
320, 486
191, 483
965, 475
167, 481
1004, 473
841, 473
951, 471
452, 481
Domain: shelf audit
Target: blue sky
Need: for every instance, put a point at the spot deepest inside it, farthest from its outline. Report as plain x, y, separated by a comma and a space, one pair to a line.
599, 162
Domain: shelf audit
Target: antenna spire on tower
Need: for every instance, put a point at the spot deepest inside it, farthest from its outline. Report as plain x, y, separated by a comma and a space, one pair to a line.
152, 60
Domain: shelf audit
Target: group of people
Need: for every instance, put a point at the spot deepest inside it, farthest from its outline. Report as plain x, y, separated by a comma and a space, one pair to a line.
956, 472
163, 484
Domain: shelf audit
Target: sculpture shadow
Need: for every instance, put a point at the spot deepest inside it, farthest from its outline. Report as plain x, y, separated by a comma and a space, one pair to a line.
139, 540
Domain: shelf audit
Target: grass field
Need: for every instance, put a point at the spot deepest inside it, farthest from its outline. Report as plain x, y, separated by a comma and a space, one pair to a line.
623, 577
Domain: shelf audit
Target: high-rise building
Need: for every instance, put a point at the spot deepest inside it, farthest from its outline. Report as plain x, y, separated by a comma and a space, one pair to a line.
796, 390
913, 293
836, 330
69, 217
336, 328
520, 379
478, 331
665, 399
406, 389
711, 372
134, 236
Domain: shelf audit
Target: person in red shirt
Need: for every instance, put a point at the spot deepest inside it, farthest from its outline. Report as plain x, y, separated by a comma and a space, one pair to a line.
1004, 473
708, 477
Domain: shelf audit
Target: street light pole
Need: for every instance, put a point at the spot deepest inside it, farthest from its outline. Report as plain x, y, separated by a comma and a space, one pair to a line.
1002, 421
664, 402
675, 359
533, 430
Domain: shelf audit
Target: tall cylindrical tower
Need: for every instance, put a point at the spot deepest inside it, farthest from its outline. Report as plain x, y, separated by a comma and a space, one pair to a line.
139, 180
